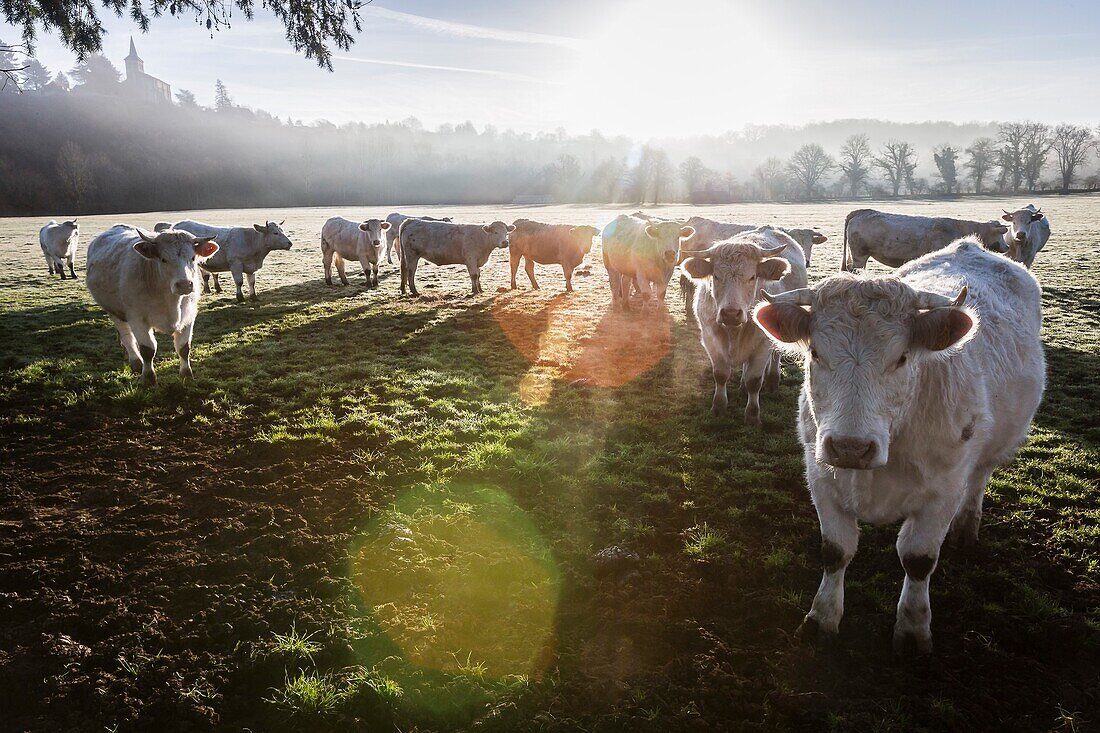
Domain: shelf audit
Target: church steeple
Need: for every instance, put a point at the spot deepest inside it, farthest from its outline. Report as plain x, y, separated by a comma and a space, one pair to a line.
135, 67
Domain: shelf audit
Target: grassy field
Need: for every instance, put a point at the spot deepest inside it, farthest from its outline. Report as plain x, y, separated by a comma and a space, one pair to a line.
370, 512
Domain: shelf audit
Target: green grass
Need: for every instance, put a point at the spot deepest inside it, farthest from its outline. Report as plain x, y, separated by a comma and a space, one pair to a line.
423, 486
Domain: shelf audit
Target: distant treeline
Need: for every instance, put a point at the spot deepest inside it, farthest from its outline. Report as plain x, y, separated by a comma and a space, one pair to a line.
94, 149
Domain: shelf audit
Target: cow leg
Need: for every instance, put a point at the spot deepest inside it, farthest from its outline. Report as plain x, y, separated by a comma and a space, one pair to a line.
217, 284
181, 339
774, 372
413, 261
238, 278
205, 281
365, 264
529, 266
49, 263
475, 277
147, 348
839, 540
389, 247
918, 544
57, 265
513, 263
251, 286
72, 272
374, 272
967, 520
129, 344
752, 375
613, 278
326, 258
340, 268
568, 273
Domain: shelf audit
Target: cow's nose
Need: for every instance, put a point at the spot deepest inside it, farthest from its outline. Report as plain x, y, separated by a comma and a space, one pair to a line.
183, 287
670, 257
848, 452
1020, 236
731, 316
377, 243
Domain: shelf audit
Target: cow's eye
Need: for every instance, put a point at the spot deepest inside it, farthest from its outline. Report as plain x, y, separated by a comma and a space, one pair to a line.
813, 353
901, 361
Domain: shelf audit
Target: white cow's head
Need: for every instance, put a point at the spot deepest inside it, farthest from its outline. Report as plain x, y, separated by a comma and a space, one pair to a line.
865, 342
177, 255
667, 236
1020, 222
274, 238
372, 229
735, 270
71, 224
498, 233
807, 238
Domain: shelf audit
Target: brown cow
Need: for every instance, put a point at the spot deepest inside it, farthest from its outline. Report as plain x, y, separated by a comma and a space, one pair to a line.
549, 244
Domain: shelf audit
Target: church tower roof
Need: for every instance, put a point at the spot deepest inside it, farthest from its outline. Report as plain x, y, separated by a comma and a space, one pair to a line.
133, 52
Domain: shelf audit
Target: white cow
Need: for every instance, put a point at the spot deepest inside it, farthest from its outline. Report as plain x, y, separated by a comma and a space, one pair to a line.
59, 243
709, 231
149, 283
642, 251
243, 251
730, 274
344, 239
1028, 232
917, 387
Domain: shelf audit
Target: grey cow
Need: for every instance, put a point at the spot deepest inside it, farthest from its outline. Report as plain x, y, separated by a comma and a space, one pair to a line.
344, 239
894, 239
444, 243
1028, 232
395, 220
242, 251
148, 284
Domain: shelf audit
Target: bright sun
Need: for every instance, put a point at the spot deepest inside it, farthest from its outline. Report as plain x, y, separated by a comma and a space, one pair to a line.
655, 64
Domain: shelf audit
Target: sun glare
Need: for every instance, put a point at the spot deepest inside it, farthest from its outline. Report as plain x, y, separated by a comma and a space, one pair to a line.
653, 65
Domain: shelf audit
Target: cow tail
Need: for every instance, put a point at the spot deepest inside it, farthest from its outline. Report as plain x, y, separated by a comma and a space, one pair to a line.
687, 292
844, 247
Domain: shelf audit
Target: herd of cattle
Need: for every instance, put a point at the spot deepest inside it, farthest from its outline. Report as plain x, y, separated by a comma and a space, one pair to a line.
918, 384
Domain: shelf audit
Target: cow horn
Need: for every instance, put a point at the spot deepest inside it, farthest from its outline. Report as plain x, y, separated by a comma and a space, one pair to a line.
801, 296
773, 251
145, 237
701, 253
927, 301
282, 222
200, 240
1007, 211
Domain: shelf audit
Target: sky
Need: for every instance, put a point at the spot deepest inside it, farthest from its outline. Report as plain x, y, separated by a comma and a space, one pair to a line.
646, 68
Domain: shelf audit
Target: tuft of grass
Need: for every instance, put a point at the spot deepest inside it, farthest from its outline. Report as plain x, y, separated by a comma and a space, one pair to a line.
703, 542
308, 695
296, 644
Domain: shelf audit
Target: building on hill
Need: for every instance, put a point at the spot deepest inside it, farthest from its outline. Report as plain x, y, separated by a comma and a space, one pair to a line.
141, 85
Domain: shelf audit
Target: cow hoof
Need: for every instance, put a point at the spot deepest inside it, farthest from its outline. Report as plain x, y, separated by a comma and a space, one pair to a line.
254, 298
810, 631
150, 379
240, 298
753, 420
186, 373
136, 366
912, 643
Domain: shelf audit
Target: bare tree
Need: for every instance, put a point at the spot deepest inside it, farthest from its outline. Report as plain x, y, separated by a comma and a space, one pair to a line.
980, 161
694, 174
661, 174
945, 157
772, 177
898, 160
1037, 143
75, 171
855, 162
1071, 145
11, 66
1011, 136
809, 165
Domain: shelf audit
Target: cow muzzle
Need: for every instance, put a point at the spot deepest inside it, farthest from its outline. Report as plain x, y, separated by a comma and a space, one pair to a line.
850, 452
183, 287
732, 316
377, 243
1021, 237
670, 258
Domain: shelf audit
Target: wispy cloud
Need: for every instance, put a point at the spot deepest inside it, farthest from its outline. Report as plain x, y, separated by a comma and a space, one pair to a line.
465, 30
507, 75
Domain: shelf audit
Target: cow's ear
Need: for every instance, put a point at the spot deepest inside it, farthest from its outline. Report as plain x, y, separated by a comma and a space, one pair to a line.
486, 228
206, 247
940, 328
784, 322
1000, 229
1037, 216
698, 267
818, 238
651, 231
384, 225
148, 250
260, 228
772, 268
363, 227
510, 227
687, 232
1006, 217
